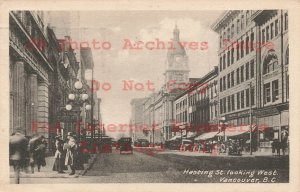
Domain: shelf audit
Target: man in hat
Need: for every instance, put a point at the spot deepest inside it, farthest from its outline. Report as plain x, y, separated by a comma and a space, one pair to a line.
37, 147
18, 152
71, 147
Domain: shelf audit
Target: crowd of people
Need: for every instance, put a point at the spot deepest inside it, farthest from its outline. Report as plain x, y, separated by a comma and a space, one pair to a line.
30, 152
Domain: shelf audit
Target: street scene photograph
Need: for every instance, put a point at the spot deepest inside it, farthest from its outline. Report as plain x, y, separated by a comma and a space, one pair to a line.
149, 96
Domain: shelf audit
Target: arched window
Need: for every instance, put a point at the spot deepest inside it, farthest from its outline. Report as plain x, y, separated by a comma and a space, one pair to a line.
287, 56
270, 62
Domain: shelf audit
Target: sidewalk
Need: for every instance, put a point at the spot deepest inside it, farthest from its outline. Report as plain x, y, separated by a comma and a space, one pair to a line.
46, 172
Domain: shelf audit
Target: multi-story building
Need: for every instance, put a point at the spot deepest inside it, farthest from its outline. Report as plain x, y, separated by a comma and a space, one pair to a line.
138, 129
30, 72
196, 109
252, 77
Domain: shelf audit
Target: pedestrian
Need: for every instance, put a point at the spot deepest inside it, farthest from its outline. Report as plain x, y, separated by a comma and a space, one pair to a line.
59, 163
71, 148
18, 152
37, 147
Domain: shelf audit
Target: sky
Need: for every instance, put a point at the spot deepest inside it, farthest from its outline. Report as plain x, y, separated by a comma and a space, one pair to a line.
116, 65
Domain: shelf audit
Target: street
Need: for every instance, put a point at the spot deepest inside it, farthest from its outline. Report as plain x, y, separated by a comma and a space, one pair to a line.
148, 165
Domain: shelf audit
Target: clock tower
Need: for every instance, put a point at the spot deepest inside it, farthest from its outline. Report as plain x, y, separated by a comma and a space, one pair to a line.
177, 70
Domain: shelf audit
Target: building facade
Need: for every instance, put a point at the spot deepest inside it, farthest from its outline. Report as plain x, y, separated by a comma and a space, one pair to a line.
138, 130
253, 75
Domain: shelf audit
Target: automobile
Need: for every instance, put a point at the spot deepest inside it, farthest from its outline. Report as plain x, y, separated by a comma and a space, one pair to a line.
124, 144
141, 143
186, 145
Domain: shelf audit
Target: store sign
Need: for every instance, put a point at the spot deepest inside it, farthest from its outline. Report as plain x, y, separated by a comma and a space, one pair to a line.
266, 112
237, 115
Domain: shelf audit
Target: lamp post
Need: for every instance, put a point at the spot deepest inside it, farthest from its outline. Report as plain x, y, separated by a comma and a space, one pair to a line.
79, 98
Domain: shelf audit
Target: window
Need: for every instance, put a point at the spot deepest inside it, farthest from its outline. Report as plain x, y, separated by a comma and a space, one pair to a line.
252, 68
228, 58
228, 80
286, 21
224, 61
276, 27
232, 55
247, 45
232, 78
242, 99
242, 22
287, 56
267, 92
242, 49
229, 103
247, 17
272, 29
228, 33
232, 103
220, 64
263, 36
238, 76
237, 26
224, 104
275, 91
247, 71
221, 40
242, 74
221, 106
252, 41
221, 84
247, 97
267, 33
232, 30
238, 103
224, 83
252, 96
270, 62
237, 51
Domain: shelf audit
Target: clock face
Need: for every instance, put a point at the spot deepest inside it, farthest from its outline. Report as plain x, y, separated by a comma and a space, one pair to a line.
178, 59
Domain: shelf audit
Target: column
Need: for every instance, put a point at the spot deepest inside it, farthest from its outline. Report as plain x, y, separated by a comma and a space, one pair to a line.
42, 109
33, 103
19, 95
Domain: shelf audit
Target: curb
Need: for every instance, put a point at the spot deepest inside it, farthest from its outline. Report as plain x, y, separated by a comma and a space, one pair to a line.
89, 165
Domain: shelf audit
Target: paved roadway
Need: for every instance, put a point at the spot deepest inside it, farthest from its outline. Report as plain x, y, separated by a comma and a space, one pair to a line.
147, 166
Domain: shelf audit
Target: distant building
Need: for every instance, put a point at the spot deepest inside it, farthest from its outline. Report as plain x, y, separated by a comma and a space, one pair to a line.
136, 125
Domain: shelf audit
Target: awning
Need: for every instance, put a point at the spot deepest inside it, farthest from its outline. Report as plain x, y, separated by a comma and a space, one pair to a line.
238, 130
190, 135
206, 136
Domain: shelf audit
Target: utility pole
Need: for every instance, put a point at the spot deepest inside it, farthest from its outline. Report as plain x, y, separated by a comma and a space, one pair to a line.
250, 116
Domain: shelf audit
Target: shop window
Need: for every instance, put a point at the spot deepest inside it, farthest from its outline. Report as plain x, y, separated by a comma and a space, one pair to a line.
275, 91
252, 68
267, 93
247, 71
270, 62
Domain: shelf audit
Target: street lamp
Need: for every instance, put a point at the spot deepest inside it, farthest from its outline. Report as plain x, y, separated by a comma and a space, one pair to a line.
78, 99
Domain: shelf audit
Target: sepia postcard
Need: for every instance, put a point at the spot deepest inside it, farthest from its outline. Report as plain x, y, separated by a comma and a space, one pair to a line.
149, 96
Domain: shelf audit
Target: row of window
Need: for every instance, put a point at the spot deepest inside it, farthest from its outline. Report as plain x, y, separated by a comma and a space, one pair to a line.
244, 72
242, 48
208, 92
240, 100
236, 27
